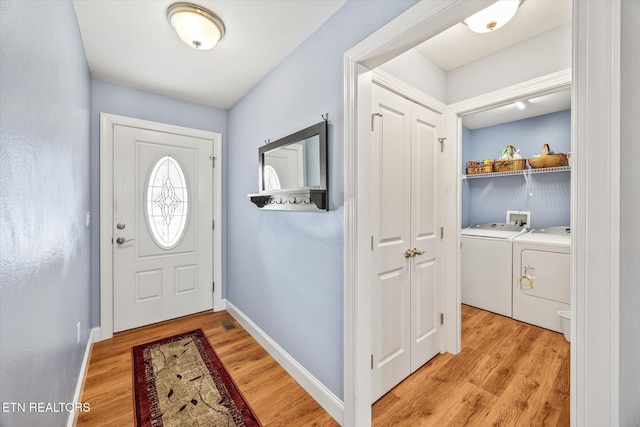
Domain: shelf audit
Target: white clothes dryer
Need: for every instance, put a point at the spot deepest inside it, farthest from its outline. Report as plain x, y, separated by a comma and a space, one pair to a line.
541, 275
487, 266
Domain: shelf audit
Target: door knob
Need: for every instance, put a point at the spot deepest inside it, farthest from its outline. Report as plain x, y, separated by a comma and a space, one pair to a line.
121, 240
410, 253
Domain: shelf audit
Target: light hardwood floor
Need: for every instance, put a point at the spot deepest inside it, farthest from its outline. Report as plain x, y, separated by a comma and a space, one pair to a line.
507, 374
275, 397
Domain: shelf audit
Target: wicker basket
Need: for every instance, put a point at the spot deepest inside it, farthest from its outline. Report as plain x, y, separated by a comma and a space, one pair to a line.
509, 164
473, 169
546, 160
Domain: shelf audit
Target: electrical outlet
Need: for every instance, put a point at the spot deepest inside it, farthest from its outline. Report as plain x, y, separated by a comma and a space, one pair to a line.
78, 333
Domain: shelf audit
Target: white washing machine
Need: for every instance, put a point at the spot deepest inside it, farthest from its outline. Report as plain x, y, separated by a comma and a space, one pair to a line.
541, 276
487, 266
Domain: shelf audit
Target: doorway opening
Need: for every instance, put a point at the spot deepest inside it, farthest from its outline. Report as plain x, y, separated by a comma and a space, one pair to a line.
425, 21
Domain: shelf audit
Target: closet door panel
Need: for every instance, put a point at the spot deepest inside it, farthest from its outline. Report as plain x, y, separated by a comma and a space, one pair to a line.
391, 211
425, 236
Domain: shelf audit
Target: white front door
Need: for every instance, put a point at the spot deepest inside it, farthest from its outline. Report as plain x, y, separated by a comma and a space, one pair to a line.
406, 244
162, 226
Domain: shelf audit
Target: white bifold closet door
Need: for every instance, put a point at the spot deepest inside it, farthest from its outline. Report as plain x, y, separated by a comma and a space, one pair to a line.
406, 240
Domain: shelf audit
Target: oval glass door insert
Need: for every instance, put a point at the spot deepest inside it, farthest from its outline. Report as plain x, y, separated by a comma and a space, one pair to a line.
167, 202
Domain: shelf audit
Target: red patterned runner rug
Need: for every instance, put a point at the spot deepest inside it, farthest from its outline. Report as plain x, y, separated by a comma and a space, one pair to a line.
180, 381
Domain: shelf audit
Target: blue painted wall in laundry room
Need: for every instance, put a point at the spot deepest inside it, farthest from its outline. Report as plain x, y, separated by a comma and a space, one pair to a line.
546, 196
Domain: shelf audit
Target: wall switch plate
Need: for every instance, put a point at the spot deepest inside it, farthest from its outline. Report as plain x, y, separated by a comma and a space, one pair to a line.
88, 219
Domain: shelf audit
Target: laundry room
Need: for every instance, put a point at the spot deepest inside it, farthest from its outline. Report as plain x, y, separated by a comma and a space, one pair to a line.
516, 197
524, 127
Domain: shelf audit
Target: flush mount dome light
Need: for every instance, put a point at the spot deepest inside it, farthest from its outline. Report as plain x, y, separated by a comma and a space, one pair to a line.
196, 26
493, 17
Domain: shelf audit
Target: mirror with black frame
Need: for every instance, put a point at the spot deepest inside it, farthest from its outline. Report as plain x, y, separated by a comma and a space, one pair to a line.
293, 171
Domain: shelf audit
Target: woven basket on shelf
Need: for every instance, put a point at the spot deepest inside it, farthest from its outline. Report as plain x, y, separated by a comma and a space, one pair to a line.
473, 169
509, 163
546, 160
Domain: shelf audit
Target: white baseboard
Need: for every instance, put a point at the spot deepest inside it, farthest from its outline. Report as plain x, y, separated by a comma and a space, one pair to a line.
94, 336
317, 390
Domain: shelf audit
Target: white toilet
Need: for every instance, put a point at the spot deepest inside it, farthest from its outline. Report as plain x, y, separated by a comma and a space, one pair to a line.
565, 323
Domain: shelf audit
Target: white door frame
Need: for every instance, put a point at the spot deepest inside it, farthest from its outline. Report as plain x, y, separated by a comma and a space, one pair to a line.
107, 122
596, 121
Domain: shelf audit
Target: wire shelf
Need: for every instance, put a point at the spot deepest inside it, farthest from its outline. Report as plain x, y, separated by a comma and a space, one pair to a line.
520, 172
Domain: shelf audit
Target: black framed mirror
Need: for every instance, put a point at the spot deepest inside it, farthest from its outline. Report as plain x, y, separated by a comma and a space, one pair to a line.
293, 171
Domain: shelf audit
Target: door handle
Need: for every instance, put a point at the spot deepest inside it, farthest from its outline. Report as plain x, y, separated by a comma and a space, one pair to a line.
122, 240
410, 253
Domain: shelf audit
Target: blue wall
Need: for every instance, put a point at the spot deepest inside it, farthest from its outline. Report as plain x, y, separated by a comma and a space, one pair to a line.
285, 269
44, 187
546, 196
124, 101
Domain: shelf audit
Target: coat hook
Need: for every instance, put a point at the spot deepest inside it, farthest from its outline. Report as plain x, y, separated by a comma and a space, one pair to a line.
325, 117
266, 141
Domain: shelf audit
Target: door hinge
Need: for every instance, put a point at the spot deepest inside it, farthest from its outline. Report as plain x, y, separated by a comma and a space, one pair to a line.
372, 243
441, 233
213, 286
442, 318
442, 140
372, 361
372, 117
213, 224
213, 161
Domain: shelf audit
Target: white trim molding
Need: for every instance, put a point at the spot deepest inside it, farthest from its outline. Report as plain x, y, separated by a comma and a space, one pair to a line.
94, 336
536, 87
407, 91
595, 213
329, 401
107, 123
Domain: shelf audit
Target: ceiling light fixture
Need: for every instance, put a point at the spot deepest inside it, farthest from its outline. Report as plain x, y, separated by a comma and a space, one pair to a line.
196, 26
493, 17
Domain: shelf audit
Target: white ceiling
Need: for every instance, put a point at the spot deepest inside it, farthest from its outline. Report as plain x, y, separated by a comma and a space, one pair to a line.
131, 43
459, 45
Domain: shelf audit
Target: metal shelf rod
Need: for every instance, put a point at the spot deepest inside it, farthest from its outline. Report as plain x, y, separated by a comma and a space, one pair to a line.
520, 172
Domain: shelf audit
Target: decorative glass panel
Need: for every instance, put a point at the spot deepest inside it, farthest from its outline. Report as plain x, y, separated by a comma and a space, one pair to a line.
167, 202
